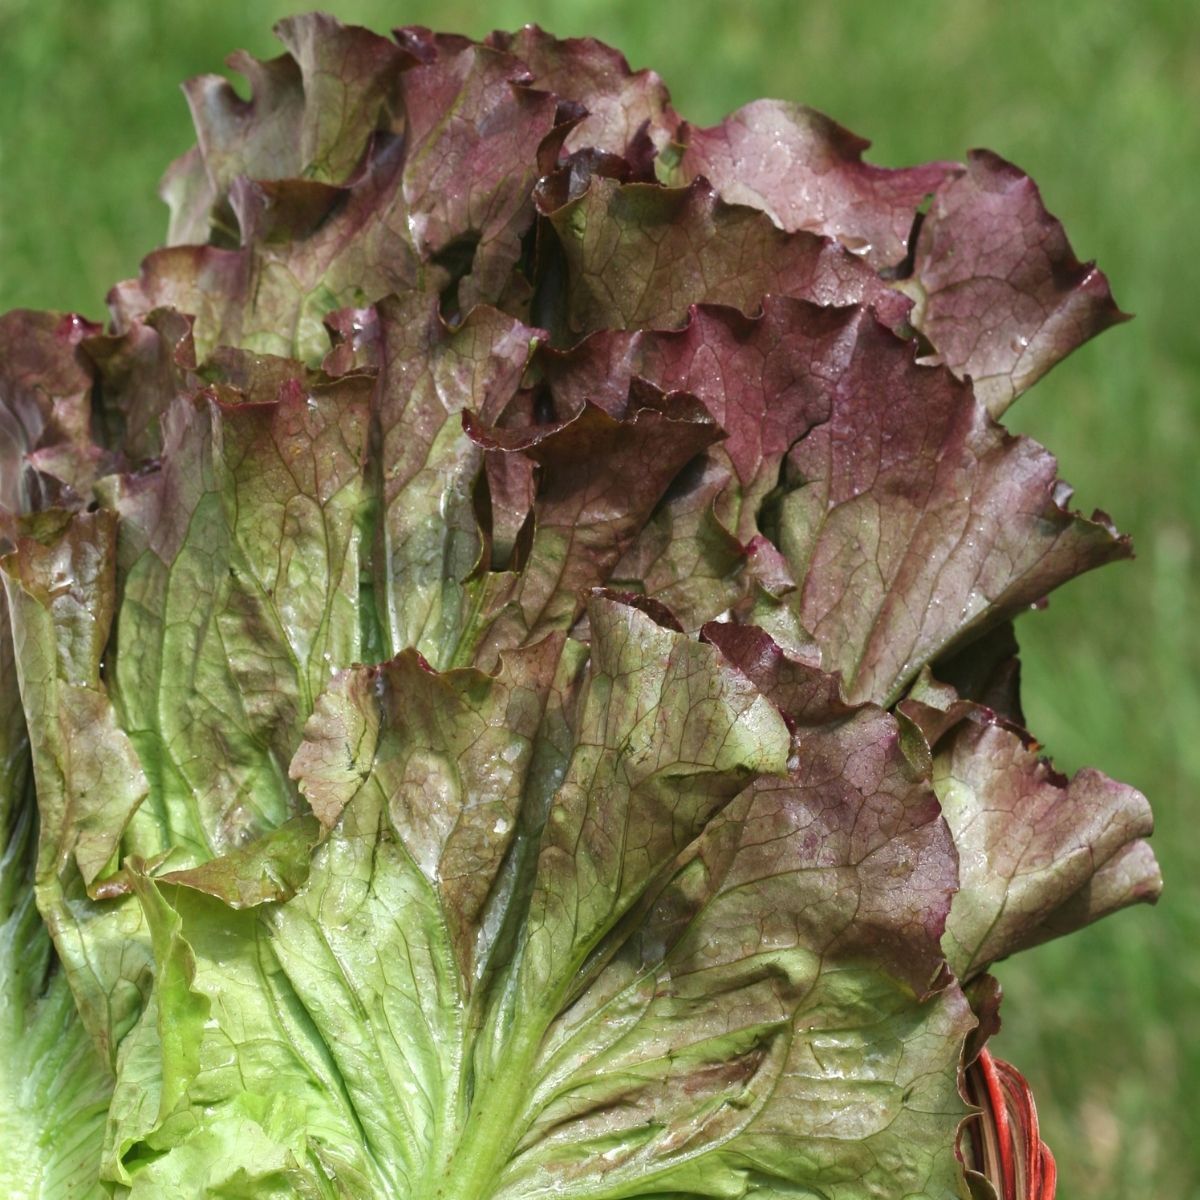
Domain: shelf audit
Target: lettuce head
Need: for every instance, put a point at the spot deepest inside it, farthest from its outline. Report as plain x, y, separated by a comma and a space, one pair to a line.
507, 678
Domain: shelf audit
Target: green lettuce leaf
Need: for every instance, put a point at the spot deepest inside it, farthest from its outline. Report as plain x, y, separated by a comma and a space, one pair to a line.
61, 587
701, 1009
54, 1086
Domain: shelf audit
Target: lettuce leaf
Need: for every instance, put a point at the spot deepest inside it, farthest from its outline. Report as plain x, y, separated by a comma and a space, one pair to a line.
1041, 855
54, 1086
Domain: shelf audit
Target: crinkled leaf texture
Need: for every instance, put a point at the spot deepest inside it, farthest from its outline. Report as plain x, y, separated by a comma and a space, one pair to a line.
506, 687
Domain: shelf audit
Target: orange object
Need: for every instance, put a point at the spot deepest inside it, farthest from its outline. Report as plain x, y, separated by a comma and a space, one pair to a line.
1003, 1143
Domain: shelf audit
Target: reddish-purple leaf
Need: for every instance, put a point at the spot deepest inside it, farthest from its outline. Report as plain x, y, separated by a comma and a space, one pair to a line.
915, 524
601, 476
628, 112
45, 408
806, 172
998, 290
855, 820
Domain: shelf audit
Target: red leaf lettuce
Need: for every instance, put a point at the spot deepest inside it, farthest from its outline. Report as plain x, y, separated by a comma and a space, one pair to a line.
505, 678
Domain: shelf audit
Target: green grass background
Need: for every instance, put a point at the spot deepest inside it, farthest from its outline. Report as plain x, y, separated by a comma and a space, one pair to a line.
1100, 103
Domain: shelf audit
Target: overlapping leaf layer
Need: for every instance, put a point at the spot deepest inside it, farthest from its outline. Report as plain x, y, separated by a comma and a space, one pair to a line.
505, 678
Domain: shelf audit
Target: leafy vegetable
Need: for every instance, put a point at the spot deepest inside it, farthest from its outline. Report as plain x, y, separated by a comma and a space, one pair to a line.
506, 683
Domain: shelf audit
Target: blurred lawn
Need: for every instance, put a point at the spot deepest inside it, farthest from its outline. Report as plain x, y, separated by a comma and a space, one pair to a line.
1099, 102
